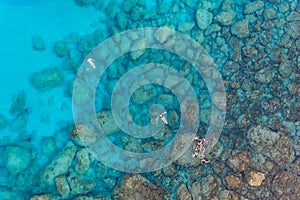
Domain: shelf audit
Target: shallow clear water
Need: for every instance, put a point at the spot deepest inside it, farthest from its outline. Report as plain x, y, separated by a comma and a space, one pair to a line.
254, 46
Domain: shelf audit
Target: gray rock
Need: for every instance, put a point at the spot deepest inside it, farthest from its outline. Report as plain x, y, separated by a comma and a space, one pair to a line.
210, 186
269, 13
254, 6
274, 145
183, 193
285, 185
196, 190
204, 18
293, 16
224, 18
249, 51
240, 28
228, 194
264, 76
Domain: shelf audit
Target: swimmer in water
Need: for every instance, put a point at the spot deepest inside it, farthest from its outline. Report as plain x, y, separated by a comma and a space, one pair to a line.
162, 117
91, 62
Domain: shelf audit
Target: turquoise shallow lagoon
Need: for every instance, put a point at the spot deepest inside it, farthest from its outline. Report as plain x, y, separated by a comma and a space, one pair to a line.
254, 48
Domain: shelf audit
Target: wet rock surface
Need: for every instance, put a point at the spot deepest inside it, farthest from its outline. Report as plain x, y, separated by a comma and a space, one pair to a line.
137, 187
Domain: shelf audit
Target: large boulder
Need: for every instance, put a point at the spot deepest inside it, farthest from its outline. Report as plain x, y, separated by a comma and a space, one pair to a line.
17, 159
60, 164
47, 79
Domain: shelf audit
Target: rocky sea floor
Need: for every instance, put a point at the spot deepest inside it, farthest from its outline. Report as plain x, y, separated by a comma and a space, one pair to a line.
255, 46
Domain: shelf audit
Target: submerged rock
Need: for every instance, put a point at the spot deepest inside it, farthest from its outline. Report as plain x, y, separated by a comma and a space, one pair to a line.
239, 161
183, 193
82, 161
61, 49
38, 43
254, 6
80, 184
255, 178
286, 185
224, 18
47, 79
60, 164
240, 28
17, 159
19, 122
107, 122
18, 103
204, 18
82, 3
83, 134
45, 197
264, 76
233, 181
3, 122
185, 27
135, 186
62, 186
274, 145
143, 94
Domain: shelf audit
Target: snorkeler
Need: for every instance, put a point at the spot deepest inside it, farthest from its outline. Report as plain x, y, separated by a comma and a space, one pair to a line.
91, 62
162, 117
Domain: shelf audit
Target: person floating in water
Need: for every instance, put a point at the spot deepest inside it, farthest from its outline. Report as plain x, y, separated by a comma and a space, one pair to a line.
199, 150
162, 117
91, 62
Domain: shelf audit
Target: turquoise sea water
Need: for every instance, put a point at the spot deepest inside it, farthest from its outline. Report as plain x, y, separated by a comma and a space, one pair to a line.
255, 47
